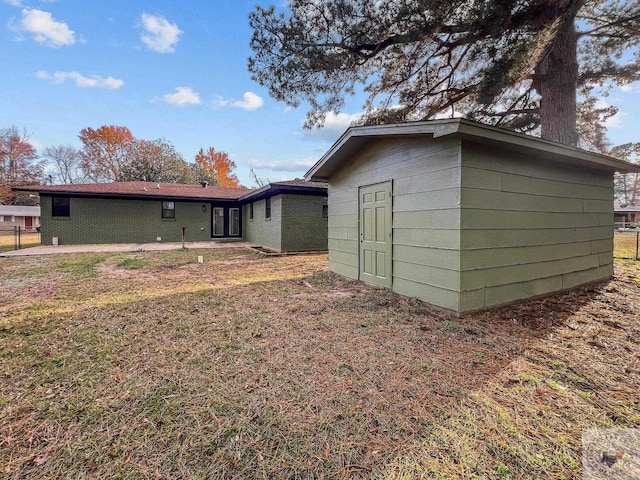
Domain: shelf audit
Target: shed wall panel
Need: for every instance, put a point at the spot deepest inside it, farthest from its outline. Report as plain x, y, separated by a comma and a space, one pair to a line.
431, 238
443, 219
426, 214
348, 271
493, 159
500, 238
440, 297
555, 188
495, 277
436, 257
344, 208
426, 274
505, 294
530, 226
573, 279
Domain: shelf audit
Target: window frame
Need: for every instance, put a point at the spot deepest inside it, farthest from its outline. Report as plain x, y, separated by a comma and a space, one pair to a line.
325, 207
251, 212
63, 210
236, 232
168, 209
267, 208
217, 212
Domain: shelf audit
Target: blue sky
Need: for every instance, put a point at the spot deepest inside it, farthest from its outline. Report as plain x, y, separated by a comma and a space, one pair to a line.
173, 70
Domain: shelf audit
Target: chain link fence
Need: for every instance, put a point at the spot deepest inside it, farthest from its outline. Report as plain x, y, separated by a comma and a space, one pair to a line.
17, 238
626, 244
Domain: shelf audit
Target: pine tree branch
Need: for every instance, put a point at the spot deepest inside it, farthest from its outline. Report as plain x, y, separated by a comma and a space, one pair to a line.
622, 22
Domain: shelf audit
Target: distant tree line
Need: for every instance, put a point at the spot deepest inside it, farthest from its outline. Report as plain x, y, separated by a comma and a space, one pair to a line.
108, 154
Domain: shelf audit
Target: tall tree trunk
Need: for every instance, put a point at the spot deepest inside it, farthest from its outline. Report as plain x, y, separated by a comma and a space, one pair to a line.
557, 75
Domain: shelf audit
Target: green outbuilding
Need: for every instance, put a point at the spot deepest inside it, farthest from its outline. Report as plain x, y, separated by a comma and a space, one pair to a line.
465, 216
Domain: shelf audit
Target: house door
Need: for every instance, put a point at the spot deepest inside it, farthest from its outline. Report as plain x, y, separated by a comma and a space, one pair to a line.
28, 222
226, 221
375, 234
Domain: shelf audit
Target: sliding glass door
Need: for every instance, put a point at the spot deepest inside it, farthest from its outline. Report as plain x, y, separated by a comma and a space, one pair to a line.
226, 221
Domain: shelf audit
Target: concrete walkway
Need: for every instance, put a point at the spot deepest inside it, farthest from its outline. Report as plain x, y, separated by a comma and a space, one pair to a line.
119, 247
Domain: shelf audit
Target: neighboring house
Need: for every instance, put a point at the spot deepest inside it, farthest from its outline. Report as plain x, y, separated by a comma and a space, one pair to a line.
626, 215
25, 217
142, 212
466, 216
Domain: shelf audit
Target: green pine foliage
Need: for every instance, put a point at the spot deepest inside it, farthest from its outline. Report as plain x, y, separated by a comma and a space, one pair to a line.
530, 65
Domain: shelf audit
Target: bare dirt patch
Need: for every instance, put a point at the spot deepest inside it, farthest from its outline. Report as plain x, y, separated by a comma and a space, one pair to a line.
151, 365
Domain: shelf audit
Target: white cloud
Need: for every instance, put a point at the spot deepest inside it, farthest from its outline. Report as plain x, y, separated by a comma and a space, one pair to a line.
80, 80
250, 101
284, 165
160, 35
220, 101
45, 29
183, 96
14, 3
334, 126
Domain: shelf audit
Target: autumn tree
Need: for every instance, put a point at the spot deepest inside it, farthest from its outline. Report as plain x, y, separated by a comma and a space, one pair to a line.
19, 164
155, 161
529, 65
215, 168
105, 151
68, 164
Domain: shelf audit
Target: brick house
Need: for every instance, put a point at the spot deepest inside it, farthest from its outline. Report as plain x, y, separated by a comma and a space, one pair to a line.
282, 216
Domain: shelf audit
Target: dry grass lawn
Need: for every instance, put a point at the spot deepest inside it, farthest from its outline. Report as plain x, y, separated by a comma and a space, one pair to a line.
150, 365
27, 239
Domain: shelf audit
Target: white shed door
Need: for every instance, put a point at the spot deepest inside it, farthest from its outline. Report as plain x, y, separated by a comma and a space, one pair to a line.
375, 234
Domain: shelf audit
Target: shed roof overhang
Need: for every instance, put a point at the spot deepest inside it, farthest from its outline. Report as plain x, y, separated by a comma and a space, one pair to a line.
355, 138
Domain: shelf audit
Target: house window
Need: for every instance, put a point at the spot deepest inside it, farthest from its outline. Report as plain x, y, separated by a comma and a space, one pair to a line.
234, 222
168, 210
60, 206
218, 221
325, 207
267, 208
251, 211
7, 218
